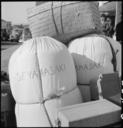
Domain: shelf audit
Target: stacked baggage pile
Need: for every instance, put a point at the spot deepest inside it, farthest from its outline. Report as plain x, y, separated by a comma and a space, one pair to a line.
42, 79
51, 82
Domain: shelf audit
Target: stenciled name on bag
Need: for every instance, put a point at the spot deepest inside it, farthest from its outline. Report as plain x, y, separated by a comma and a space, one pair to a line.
44, 71
88, 66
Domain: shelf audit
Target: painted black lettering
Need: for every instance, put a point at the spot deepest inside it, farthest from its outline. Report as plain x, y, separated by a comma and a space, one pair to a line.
52, 70
20, 76
60, 68
46, 72
29, 74
88, 66
35, 74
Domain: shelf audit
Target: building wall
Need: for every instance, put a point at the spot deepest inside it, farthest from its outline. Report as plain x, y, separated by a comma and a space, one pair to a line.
6, 25
3, 24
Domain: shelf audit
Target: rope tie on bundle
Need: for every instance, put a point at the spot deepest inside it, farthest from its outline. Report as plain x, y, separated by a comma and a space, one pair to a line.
58, 94
53, 18
61, 19
114, 61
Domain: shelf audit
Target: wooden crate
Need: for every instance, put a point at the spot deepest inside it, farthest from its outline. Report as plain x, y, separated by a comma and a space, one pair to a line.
115, 99
110, 86
64, 21
91, 114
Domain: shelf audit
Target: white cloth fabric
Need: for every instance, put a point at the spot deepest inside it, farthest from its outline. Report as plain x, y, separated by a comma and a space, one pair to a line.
92, 55
31, 115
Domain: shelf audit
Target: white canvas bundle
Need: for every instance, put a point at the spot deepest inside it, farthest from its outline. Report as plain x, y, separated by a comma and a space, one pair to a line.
31, 115
70, 98
40, 68
56, 67
24, 74
92, 55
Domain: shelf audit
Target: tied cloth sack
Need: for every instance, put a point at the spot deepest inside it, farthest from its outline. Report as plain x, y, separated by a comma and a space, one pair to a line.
42, 79
94, 54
